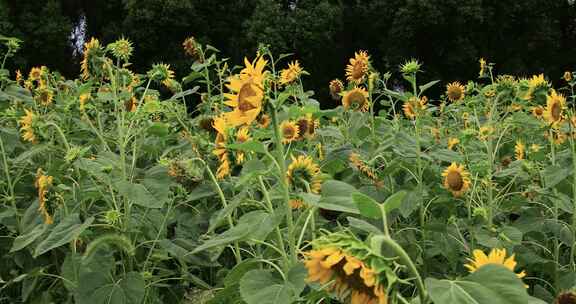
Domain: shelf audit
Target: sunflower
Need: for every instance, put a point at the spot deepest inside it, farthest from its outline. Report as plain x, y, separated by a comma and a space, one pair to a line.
222, 127
290, 74
361, 165
242, 135
358, 68
290, 131
455, 91
43, 183
555, 104
27, 126
121, 49
307, 126
519, 150
296, 203
162, 73
482, 67
44, 96
35, 74
336, 87
566, 297
567, 76
191, 48
558, 137
536, 83
485, 132
538, 111
304, 171
264, 121
19, 78
456, 179
92, 49
496, 256
247, 93
413, 106
83, 99
356, 99
343, 265
452, 142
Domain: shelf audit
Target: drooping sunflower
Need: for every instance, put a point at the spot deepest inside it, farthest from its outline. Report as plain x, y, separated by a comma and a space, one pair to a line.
27, 126
555, 105
496, 256
566, 297
162, 73
361, 165
290, 131
358, 68
452, 142
304, 171
519, 150
222, 127
43, 183
44, 96
290, 74
336, 87
190, 47
242, 135
413, 106
307, 126
535, 84
92, 50
456, 179
455, 91
356, 100
344, 266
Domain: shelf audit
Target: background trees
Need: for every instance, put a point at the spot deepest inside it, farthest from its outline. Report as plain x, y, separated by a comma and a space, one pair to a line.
522, 37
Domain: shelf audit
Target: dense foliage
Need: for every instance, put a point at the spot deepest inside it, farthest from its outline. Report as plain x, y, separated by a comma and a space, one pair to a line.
525, 37
112, 192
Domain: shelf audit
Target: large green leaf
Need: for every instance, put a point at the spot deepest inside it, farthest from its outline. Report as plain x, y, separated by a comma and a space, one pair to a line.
336, 196
99, 288
22, 241
367, 206
261, 287
66, 231
491, 284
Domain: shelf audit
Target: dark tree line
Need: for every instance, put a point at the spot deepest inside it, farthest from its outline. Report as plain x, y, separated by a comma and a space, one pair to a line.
448, 36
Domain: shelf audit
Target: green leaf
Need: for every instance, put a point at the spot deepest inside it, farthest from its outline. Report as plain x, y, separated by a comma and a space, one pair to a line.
367, 206
138, 194
249, 146
362, 225
66, 231
394, 201
22, 241
336, 196
99, 288
428, 85
491, 284
261, 287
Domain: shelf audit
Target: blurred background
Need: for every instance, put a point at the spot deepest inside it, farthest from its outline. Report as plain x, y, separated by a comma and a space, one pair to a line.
449, 36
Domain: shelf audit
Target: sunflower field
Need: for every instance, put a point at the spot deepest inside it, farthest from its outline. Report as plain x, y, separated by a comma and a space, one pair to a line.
117, 188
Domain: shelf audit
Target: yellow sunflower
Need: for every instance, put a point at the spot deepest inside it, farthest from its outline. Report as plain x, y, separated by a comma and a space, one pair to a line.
19, 78
356, 99
35, 74
358, 68
43, 183
496, 256
336, 87
519, 150
304, 171
452, 142
455, 91
534, 84
555, 104
92, 48
264, 121
361, 165
290, 131
538, 111
27, 126
247, 93
242, 135
456, 179
413, 106
221, 126
290, 74
485, 132
352, 278
296, 203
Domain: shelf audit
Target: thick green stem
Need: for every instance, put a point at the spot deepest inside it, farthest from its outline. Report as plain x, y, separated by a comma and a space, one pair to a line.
11, 197
270, 207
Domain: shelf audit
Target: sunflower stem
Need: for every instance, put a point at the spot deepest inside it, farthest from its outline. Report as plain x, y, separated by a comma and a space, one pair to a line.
556, 243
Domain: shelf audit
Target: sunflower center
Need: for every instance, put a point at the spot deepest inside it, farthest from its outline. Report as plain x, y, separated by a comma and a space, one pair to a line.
567, 298
246, 91
303, 126
455, 181
288, 132
353, 281
556, 111
455, 93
